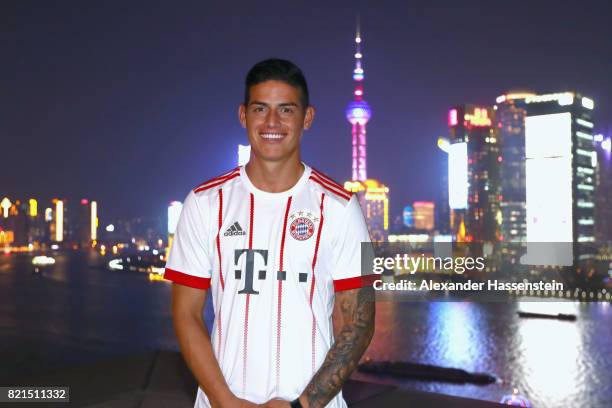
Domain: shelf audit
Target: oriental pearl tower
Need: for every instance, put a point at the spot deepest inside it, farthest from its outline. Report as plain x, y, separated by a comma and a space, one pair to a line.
373, 196
358, 113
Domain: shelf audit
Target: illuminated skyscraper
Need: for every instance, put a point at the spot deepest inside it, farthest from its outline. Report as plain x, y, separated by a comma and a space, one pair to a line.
5, 204
424, 215
20, 223
560, 173
88, 223
374, 199
358, 114
36, 230
59, 220
511, 111
603, 209
473, 174
442, 214
408, 216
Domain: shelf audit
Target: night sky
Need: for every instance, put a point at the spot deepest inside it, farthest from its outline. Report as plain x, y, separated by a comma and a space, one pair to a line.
134, 103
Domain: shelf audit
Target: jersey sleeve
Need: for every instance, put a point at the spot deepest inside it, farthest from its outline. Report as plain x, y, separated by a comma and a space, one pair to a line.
189, 262
350, 232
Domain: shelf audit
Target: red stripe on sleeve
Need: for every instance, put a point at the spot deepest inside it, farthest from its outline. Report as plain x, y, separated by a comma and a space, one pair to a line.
186, 280
355, 282
218, 183
330, 180
216, 179
329, 187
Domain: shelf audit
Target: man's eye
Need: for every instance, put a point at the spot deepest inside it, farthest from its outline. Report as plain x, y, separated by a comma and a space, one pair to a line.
286, 110
258, 109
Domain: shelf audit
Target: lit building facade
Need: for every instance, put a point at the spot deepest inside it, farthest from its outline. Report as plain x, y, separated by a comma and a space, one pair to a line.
408, 216
560, 172
603, 209
25, 226
424, 215
58, 223
442, 221
510, 114
87, 229
474, 174
374, 199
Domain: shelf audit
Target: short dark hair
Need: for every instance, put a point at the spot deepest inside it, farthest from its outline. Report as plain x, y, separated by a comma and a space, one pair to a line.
275, 69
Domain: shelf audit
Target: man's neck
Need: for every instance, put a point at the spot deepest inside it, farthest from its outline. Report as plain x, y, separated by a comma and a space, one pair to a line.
274, 177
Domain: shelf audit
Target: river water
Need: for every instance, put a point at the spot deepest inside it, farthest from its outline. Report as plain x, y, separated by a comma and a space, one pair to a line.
77, 312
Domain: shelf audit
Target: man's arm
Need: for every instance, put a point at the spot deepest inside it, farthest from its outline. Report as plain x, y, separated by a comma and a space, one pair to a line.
354, 310
194, 341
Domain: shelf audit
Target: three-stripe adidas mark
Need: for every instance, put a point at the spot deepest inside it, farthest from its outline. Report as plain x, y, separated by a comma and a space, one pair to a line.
234, 229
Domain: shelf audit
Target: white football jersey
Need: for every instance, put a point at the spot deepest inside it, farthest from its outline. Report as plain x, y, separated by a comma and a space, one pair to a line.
273, 262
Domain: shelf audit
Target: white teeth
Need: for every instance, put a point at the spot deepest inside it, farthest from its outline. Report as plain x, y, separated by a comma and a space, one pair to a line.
272, 135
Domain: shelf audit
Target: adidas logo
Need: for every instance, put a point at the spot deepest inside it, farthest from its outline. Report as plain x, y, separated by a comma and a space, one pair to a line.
234, 230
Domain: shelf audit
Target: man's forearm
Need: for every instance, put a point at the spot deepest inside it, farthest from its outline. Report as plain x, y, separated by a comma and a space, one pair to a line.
357, 313
197, 350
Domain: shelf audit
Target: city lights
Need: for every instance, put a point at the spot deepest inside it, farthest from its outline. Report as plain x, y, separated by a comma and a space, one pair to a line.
548, 149
479, 118
59, 220
452, 117
563, 98
606, 145
588, 103
458, 176
33, 205
6, 205
42, 260
94, 221
444, 144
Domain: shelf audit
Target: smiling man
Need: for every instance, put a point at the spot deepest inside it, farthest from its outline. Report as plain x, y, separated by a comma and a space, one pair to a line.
277, 244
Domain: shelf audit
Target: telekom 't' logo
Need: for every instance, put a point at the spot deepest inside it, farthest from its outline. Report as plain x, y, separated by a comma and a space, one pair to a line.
249, 275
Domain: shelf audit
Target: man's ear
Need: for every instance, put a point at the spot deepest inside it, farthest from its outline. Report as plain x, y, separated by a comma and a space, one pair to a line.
309, 117
242, 115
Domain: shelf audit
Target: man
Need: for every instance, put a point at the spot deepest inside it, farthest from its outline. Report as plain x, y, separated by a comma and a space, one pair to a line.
278, 244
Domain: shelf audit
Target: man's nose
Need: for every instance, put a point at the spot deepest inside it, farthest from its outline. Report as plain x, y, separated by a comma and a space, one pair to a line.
272, 118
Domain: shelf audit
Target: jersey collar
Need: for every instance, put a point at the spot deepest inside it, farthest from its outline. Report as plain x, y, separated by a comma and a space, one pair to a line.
284, 194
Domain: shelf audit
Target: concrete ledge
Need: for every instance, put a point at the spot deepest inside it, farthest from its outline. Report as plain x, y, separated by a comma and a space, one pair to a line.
162, 379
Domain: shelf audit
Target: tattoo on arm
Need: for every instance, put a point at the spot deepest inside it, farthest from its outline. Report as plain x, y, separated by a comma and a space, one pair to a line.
357, 315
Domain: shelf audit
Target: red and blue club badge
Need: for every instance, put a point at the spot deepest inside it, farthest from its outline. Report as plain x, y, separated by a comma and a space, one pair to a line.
302, 225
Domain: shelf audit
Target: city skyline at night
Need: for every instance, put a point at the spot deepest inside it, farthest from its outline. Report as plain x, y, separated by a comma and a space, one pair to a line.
476, 137
113, 106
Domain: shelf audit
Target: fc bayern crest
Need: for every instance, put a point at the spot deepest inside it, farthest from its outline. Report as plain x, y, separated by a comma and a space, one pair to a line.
302, 225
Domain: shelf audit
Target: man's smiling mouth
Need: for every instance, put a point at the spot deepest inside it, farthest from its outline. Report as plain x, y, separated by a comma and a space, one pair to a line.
272, 135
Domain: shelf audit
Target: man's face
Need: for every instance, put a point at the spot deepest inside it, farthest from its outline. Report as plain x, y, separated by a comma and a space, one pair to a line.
274, 119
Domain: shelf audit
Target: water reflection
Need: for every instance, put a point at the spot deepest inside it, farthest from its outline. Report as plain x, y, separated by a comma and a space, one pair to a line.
77, 309
553, 363
455, 332
551, 354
